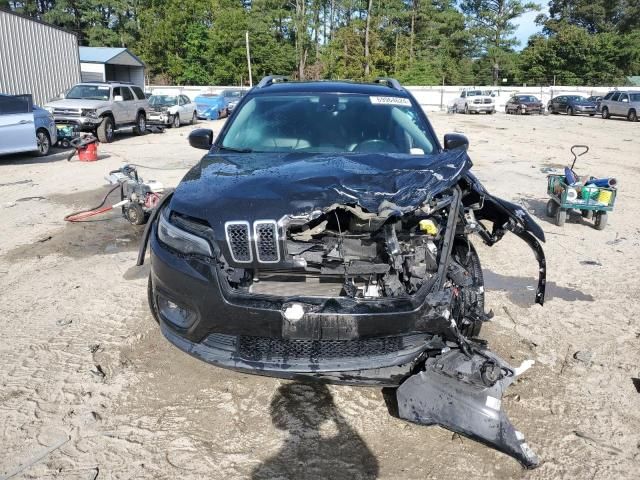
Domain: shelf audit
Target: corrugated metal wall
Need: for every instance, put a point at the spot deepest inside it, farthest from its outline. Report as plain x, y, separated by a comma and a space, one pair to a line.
36, 58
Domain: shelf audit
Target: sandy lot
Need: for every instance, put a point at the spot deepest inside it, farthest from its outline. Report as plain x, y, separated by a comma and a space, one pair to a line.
89, 389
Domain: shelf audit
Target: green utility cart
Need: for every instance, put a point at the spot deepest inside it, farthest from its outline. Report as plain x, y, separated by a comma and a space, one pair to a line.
593, 202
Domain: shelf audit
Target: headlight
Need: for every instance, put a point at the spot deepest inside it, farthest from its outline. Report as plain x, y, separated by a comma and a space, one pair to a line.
86, 112
49, 109
182, 240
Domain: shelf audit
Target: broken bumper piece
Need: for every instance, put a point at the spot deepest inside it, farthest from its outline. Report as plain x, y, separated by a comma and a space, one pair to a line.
464, 395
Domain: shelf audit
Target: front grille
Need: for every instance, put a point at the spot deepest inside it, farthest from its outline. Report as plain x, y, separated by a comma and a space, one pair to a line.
66, 112
265, 348
477, 101
487, 101
266, 238
238, 241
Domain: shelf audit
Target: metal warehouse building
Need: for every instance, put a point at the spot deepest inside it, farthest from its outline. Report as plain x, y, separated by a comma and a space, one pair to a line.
105, 64
36, 57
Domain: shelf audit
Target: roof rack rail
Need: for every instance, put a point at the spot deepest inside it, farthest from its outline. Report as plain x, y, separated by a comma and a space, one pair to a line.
118, 81
389, 82
271, 79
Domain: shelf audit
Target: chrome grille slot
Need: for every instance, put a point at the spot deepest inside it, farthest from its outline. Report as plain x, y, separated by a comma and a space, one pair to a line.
66, 112
487, 101
238, 241
265, 233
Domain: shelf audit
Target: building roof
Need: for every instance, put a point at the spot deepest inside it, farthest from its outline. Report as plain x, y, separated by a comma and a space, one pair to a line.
36, 20
114, 56
634, 80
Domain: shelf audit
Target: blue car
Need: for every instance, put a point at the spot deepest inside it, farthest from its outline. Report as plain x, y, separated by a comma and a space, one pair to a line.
211, 106
25, 127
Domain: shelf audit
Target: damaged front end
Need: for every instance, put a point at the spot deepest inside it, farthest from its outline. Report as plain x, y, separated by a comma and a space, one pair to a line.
367, 270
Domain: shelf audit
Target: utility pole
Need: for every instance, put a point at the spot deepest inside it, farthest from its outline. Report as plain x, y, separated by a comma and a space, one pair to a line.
246, 36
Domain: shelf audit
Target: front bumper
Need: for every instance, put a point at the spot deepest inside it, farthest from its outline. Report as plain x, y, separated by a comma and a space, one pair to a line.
83, 123
488, 108
159, 118
340, 340
586, 110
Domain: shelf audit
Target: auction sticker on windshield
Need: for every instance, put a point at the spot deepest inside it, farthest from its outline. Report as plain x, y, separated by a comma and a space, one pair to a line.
405, 102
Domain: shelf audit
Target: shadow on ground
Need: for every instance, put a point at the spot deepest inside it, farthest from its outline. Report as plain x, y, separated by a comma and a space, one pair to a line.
522, 290
320, 443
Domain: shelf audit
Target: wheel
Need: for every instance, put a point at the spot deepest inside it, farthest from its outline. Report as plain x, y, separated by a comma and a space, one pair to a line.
194, 119
588, 214
601, 220
632, 116
152, 303
506, 110
519, 111
175, 123
605, 113
570, 111
561, 217
470, 299
44, 143
141, 124
106, 130
135, 214
552, 208
466, 109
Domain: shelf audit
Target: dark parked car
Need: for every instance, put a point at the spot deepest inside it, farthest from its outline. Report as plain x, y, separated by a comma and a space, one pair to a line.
597, 99
522, 104
326, 235
572, 105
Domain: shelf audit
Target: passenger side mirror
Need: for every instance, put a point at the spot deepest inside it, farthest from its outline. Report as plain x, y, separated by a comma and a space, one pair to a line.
201, 138
453, 141
118, 98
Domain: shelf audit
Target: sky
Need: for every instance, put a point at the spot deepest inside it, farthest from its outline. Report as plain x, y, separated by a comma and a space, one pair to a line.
527, 25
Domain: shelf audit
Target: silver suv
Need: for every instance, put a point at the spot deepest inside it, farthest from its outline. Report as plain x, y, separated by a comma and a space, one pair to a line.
102, 107
621, 104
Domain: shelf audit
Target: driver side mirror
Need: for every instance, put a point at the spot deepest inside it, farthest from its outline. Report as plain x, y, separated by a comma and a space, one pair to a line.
453, 141
201, 138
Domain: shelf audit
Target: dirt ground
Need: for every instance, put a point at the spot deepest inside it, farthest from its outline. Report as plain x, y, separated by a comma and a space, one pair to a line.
89, 389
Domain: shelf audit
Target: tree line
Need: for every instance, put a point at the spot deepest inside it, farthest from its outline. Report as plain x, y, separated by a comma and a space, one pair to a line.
420, 42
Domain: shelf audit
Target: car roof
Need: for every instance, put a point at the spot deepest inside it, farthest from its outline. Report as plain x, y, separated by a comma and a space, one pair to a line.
332, 86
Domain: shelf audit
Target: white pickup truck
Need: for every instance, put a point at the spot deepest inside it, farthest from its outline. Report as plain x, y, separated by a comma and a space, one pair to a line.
475, 101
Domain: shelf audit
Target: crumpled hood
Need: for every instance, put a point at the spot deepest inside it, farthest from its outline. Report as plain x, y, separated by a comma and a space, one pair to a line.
77, 103
227, 187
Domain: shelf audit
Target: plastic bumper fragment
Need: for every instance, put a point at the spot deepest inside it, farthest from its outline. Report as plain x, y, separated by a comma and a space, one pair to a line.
464, 395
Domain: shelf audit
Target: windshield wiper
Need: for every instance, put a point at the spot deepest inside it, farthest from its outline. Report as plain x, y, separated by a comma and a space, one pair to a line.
237, 150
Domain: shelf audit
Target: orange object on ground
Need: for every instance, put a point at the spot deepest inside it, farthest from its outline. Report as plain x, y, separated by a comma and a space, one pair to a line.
88, 153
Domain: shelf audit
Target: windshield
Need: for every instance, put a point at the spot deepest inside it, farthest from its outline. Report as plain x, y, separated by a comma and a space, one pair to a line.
528, 98
323, 123
474, 93
163, 100
576, 98
232, 94
89, 92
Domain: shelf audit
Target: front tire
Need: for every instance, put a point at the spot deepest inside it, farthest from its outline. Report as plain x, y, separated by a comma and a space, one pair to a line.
601, 220
466, 109
570, 111
194, 119
552, 208
472, 298
176, 121
632, 116
561, 217
44, 143
141, 124
605, 113
106, 130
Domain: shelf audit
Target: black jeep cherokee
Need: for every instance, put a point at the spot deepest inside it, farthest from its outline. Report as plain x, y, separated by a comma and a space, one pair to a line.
326, 235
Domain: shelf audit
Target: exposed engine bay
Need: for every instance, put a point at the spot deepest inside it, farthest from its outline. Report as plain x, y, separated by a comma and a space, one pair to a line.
392, 262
